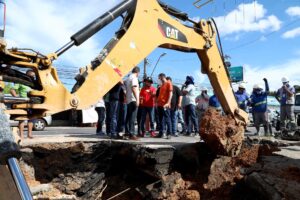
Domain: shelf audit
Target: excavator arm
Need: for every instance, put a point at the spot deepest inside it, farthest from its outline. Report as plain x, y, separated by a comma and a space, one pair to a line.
147, 25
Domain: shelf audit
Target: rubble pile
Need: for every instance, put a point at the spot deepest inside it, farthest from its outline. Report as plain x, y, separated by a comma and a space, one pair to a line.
119, 170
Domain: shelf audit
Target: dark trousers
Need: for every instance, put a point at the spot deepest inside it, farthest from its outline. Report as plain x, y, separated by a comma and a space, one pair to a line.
145, 111
107, 119
113, 117
164, 120
101, 116
130, 118
139, 118
122, 117
173, 116
191, 118
156, 115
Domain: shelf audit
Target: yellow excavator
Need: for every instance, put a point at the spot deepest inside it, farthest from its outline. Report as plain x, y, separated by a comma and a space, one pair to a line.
146, 25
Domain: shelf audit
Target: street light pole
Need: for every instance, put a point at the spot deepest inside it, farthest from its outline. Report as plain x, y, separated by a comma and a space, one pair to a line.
145, 68
161, 55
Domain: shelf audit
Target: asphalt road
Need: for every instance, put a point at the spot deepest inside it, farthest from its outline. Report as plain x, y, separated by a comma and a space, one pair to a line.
51, 131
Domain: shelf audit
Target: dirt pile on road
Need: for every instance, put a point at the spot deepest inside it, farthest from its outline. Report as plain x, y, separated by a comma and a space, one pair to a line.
221, 133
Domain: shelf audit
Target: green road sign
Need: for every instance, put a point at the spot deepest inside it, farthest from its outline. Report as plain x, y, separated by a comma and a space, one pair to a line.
236, 73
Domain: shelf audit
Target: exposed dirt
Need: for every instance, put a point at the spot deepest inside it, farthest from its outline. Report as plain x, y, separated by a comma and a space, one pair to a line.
103, 170
221, 133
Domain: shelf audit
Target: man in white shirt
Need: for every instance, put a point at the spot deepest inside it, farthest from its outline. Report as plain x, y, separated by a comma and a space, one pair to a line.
190, 112
132, 99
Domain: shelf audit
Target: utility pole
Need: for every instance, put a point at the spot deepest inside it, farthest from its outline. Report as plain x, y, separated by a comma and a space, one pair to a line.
145, 68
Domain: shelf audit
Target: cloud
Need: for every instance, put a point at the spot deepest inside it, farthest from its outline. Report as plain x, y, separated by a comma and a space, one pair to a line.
292, 33
293, 11
46, 26
273, 73
247, 18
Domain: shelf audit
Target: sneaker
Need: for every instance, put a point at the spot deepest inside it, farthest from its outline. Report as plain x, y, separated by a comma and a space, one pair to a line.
133, 137
175, 135
190, 134
152, 134
169, 137
164, 136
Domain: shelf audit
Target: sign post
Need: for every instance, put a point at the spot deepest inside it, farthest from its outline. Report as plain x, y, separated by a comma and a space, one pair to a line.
236, 74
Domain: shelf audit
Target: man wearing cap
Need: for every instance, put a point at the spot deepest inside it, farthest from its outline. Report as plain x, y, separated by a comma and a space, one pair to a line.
147, 102
190, 111
202, 103
258, 101
286, 96
242, 97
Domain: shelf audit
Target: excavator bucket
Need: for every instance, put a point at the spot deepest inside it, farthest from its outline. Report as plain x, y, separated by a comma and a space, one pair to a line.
221, 133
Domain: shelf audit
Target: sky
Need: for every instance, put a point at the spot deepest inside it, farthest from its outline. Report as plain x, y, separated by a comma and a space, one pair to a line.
263, 36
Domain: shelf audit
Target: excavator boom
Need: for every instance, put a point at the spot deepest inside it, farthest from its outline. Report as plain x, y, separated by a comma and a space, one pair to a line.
147, 25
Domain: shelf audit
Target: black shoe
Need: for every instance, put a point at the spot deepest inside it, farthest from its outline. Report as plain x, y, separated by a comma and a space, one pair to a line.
159, 135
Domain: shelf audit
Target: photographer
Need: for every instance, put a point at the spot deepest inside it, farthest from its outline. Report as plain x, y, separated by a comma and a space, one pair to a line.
286, 97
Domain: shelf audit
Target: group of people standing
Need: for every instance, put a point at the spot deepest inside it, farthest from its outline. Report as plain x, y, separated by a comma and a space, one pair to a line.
259, 105
157, 111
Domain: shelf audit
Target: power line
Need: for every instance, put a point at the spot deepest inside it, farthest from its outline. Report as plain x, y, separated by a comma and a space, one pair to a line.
266, 35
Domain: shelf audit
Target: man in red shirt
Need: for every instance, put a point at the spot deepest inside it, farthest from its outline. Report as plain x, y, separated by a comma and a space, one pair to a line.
147, 102
164, 105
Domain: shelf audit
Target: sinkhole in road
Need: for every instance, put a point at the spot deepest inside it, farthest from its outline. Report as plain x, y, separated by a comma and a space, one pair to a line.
118, 170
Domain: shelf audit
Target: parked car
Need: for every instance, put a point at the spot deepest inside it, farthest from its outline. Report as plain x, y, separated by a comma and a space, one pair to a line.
38, 124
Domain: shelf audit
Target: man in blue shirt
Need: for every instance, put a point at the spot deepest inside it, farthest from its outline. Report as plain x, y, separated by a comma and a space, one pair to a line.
242, 97
258, 101
214, 102
286, 97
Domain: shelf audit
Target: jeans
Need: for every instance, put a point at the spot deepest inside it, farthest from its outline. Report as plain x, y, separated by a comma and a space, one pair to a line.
113, 118
191, 118
130, 118
164, 119
121, 117
180, 120
156, 118
107, 119
173, 117
101, 116
145, 111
